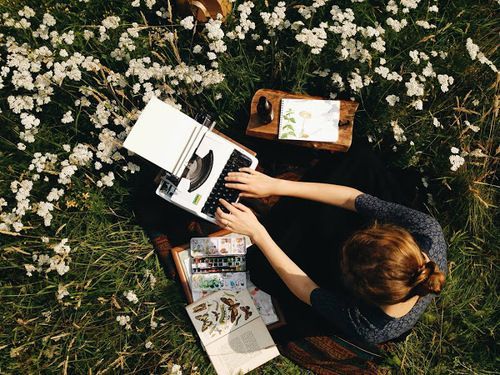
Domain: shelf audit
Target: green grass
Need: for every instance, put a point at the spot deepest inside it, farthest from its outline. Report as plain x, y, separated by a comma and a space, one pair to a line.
110, 253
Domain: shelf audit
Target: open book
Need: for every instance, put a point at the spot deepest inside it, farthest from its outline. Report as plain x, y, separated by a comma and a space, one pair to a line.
309, 120
232, 331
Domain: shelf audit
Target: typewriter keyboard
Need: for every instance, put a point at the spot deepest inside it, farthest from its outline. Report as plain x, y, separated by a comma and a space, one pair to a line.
236, 160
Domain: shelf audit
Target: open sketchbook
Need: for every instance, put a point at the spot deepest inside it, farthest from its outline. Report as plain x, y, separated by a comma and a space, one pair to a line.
309, 120
232, 331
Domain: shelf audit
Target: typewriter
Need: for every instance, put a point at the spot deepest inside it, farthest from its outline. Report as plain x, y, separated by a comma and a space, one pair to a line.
195, 159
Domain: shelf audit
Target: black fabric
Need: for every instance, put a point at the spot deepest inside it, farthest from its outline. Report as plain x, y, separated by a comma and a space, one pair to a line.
312, 233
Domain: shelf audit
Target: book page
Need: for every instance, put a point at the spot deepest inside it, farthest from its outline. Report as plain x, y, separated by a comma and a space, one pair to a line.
242, 350
309, 120
219, 313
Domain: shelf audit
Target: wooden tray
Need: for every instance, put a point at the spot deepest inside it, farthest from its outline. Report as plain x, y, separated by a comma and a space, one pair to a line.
270, 131
187, 289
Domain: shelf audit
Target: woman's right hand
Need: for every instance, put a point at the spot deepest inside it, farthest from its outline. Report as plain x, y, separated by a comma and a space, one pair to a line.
251, 183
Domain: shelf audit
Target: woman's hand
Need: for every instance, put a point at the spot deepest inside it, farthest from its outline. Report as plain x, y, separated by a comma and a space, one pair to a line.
252, 184
240, 219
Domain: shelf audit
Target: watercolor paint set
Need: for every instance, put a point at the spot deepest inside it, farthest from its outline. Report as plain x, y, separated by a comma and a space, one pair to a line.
230, 263
218, 263
217, 246
210, 282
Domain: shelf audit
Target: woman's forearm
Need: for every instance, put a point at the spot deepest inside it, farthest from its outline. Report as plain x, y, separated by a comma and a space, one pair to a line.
295, 279
337, 195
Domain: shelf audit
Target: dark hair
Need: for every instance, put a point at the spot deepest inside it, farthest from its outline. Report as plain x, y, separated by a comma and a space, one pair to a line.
383, 265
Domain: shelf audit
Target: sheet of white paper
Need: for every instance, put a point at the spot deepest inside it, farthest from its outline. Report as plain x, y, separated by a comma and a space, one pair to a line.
309, 120
164, 135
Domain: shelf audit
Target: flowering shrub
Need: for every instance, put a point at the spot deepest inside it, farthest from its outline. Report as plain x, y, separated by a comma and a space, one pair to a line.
75, 75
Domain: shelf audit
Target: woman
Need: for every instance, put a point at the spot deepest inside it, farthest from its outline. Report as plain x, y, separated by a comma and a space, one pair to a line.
367, 283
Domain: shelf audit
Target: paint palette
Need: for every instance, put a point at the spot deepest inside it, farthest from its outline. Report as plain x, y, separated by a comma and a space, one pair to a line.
231, 263
217, 246
211, 282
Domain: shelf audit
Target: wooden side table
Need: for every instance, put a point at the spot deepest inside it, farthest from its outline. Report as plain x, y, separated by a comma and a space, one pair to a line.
270, 131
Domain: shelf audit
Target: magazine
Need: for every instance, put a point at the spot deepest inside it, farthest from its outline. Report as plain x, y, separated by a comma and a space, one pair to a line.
232, 331
309, 120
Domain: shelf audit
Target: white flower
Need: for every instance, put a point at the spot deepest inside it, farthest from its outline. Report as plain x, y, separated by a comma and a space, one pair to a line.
88, 34
131, 296
392, 100
3, 203
124, 320
55, 194
436, 123
62, 292
474, 128
197, 48
153, 324
425, 24
29, 269
398, 132
445, 80
434, 8
148, 275
111, 22
81, 155
314, 38
472, 48
414, 88
44, 209
396, 25
417, 104
188, 22
176, 370
106, 180
48, 20
454, 150
211, 55
66, 172
456, 162
26, 12
474, 53
148, 345
67, 118
21, 146
150, 3
355, 81
276, 19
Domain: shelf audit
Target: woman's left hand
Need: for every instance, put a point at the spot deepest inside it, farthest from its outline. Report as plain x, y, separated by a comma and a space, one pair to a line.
240, 219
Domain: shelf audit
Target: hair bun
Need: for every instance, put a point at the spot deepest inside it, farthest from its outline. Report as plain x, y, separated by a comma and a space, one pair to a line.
429, 279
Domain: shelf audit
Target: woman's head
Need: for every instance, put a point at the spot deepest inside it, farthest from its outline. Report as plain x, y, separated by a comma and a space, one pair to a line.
383, 265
